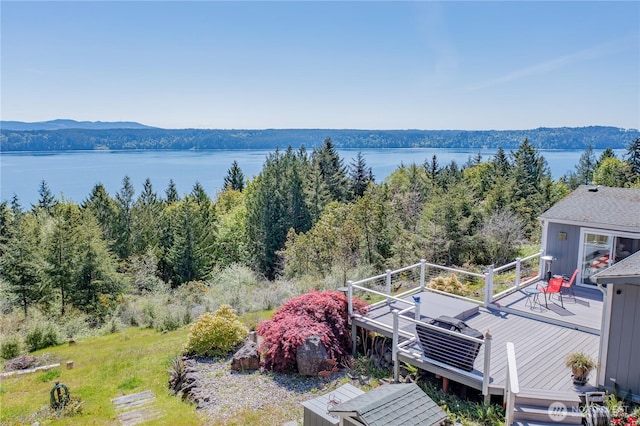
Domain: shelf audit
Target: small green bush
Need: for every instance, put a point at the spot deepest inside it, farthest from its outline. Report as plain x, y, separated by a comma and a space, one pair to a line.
49, 376
42, 334
215, 334
10, 346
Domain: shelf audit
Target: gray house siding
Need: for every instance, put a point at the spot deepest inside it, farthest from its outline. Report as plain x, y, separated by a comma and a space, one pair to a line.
622, 366
566, 251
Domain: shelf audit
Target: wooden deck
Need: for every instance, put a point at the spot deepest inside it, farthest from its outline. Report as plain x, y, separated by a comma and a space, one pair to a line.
584, 311
542, 338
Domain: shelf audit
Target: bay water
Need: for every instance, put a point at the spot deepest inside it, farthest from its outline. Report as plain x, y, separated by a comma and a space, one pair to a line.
72, 174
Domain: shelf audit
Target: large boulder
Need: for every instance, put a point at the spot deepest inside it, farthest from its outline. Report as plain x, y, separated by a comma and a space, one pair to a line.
311, 357
246, 358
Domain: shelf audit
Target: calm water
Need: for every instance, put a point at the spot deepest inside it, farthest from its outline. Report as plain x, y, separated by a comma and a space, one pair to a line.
73, 174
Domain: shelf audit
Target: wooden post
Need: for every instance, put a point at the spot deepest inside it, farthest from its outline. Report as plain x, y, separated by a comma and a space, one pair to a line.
354, 338
486, 373
350, 298
518, 271
417, 308
445, 384
69, 365
423, 268
394, 347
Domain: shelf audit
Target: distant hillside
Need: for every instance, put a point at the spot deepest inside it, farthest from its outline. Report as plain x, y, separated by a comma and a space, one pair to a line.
71, 124
195, 139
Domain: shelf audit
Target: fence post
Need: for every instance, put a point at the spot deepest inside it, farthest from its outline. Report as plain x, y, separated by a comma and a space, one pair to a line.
541, 265
423, 267
416, 300
388, 282
512, 387
354, 337
486, 373
518, 272
488, 286
394, 347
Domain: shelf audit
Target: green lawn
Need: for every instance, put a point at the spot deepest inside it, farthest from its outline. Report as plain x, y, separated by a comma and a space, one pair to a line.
105, 367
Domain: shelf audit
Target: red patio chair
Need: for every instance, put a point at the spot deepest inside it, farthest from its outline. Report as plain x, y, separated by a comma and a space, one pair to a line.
554, 287
567, 284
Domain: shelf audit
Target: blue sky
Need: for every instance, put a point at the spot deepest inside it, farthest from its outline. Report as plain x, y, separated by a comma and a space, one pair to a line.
369, 65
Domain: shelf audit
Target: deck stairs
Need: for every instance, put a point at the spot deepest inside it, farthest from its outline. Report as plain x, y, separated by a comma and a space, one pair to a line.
535, 407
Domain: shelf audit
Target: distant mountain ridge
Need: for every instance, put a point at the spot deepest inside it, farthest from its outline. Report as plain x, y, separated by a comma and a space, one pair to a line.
66, 139
71, 124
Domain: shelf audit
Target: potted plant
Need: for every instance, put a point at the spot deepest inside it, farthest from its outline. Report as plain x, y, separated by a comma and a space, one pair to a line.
581, 365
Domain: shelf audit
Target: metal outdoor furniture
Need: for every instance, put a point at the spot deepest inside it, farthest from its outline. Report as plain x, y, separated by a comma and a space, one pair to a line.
567, 284
533, 298
553, 287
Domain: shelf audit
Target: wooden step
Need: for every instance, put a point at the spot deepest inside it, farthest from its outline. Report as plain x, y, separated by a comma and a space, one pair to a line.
544, 398
534, 413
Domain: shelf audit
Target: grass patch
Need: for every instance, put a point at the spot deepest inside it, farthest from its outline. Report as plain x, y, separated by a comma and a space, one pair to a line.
105, 367
130, 383
48, 376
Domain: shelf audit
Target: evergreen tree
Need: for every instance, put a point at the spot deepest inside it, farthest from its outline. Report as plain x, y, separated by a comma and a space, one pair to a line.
433, 169
145, 217
199, 194
275, 203
96, 283
360, 176
607, 153
105, 210
332, 170
234, 178
21, 263
318, 195
46, 201
172, 193
192, 249
501, 162
124, 201
585, 167
61, 252
632, 157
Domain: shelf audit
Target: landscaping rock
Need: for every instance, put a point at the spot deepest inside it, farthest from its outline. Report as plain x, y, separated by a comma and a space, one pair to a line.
311, 357
247, 358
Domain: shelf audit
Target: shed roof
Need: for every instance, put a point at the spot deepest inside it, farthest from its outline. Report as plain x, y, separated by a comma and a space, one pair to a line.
393, 405
627, 271
600, 207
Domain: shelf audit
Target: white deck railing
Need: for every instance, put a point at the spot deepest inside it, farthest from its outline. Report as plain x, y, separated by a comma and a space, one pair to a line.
518, 281
512, 386
404, 347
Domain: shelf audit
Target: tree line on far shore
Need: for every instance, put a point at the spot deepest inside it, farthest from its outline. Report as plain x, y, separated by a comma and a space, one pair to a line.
307, 215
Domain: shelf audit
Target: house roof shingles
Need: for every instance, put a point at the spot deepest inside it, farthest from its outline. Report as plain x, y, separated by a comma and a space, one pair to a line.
609, 208
627, 271
394, 405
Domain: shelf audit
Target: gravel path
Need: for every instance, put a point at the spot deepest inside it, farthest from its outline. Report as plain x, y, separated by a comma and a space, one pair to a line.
221, 393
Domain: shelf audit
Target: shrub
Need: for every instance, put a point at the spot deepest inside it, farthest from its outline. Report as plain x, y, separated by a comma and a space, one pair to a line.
317, 313
215, 334
10, 346
42, 335
450, 285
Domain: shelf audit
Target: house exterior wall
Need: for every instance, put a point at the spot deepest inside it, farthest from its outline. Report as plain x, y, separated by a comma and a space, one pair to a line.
621, 366
566, 251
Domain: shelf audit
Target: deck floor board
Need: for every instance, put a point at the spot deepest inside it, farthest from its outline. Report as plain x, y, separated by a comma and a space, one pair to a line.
541, 347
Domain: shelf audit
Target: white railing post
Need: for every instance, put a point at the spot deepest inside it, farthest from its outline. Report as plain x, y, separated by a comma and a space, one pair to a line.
394, 347
541, 265
350, 298
512, 387
354, 332
416, 299
388, 282
518, 271
488, 286
486, 373
423, 269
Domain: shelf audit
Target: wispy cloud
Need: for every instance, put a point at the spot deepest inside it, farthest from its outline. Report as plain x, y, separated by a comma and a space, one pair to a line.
593, 52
